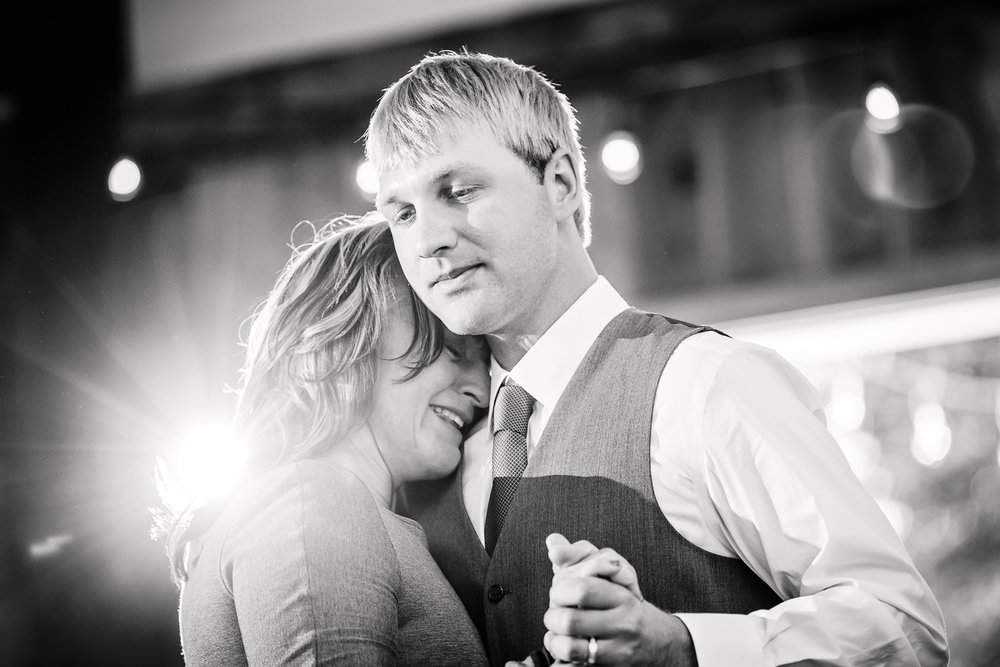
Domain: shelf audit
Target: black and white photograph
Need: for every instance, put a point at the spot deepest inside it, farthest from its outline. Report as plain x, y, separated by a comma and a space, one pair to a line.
500, 332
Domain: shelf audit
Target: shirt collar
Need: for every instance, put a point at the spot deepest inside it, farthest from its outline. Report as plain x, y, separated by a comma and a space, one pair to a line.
546, 368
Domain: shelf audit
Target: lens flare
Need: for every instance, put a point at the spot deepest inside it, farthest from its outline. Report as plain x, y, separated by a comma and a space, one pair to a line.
204, 463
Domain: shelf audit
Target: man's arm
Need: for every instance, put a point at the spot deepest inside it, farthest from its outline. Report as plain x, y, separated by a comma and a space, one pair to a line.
767, 484
775, 490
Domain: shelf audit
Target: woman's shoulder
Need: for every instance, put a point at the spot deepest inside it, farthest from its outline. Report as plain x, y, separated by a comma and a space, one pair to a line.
301, 486
307, 516
314, 508
309, 471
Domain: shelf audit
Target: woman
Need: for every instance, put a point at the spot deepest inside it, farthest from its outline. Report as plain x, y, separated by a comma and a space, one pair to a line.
350, 388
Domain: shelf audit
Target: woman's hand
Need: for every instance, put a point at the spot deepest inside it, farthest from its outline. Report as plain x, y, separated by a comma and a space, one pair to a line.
583, 559
597, 614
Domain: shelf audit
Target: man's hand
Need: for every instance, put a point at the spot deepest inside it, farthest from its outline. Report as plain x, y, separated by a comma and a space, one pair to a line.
584, 559
595, 594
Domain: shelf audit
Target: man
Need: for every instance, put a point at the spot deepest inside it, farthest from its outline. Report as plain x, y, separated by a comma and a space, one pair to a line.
702, 461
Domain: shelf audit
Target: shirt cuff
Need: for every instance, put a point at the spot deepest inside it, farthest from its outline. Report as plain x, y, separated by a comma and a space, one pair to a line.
721, 640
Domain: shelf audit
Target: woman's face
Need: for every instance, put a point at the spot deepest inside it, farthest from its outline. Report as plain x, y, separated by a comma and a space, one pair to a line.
418, 424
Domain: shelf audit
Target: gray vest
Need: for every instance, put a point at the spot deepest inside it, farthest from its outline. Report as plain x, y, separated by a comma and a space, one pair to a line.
589, 478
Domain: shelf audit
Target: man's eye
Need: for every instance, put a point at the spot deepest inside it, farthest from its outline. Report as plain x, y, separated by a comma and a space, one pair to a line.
462, 192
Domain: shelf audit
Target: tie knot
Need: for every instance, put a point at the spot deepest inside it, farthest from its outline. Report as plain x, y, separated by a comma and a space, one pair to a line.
512, 409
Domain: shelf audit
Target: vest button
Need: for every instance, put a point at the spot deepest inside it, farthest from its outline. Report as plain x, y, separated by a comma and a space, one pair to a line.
495, 592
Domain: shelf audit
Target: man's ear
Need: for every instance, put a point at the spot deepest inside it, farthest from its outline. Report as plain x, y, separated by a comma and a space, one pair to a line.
562, 185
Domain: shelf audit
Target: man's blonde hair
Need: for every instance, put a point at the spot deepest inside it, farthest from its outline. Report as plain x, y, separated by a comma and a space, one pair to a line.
447, 92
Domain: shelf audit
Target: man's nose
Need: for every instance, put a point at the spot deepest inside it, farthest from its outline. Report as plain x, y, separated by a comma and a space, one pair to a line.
435, 231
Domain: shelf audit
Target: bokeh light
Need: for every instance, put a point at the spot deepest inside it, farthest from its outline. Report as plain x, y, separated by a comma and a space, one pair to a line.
924, 162
931, 435
622, 157
883, 109
846, 407
124, 180
367, 180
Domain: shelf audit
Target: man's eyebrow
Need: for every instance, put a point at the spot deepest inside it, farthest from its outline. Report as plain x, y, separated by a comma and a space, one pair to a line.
442, 175
449, 171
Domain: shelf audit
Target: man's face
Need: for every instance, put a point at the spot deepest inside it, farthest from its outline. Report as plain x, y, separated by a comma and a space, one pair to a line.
475, 235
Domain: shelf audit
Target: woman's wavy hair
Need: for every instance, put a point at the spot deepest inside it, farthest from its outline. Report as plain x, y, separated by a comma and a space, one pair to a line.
311, 354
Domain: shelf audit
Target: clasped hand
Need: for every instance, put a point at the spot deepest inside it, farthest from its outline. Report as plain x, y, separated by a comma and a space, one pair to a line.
595, 594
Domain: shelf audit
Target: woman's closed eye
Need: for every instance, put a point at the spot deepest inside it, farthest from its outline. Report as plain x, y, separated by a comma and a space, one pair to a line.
403, 216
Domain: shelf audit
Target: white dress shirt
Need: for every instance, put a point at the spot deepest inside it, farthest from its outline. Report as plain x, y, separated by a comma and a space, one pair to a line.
749, 471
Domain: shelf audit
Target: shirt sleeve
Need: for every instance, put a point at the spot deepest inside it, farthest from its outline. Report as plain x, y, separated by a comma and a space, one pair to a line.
782, 497
312, 573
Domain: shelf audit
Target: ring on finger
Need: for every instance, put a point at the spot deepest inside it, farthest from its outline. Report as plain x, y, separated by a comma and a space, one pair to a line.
592, 651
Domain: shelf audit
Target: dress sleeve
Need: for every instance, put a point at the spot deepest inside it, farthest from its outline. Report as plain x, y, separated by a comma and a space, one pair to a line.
313, 573
790, 507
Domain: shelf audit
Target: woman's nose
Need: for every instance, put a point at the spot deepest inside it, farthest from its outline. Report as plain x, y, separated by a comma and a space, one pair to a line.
475, 383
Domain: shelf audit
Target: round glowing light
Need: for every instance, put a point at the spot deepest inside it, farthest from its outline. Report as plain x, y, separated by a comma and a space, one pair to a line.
846, 412
620, 155
846, 408
931, 435
882, 103
883, 110
622, 158
367, 179
124, 180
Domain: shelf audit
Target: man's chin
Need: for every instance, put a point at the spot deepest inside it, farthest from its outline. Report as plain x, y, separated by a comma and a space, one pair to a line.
464, 328
465, 321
